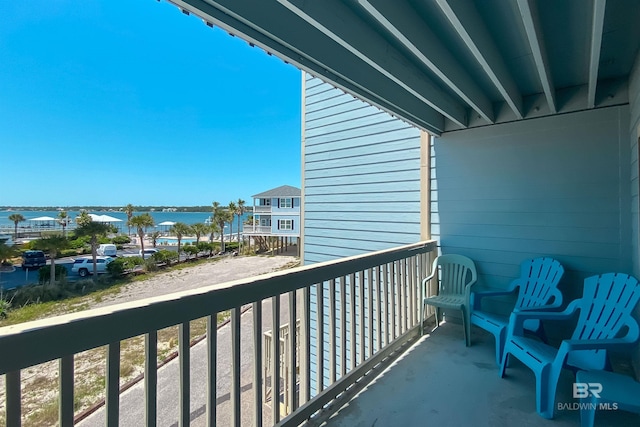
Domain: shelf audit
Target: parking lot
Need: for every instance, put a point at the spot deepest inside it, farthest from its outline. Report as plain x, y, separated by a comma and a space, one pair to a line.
18, 277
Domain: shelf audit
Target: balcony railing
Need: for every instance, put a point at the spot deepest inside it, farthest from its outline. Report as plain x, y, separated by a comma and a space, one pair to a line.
366, 307
262, 209
258, 229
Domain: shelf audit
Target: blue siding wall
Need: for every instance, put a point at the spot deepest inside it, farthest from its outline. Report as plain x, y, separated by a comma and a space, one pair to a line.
361, 176
361, 184
552, 186
294, 218
634, 131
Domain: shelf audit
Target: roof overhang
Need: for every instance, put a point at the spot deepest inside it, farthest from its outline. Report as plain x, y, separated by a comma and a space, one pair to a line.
448, 64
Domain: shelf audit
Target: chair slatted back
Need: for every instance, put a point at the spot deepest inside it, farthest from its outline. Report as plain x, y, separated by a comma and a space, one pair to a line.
456, 271
606, 306
539, 278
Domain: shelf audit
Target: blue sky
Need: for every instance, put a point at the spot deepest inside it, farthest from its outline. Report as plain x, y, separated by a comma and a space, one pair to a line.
110, 102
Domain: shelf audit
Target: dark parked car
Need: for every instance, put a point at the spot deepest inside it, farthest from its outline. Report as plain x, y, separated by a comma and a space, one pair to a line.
32, 259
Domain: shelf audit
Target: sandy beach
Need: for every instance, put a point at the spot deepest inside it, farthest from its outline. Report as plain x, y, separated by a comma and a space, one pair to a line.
205, 274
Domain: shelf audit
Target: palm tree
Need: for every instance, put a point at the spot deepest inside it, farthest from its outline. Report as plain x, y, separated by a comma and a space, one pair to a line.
214, 224
232, 210
83, 219
63, 220
154, 237
141, 222
220, 217
92, 229
129, 209
200, 229
240, 212
53, 244
180, 229
16, 218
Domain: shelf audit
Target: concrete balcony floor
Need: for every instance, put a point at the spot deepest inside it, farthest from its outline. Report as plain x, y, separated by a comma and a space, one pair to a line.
440, 382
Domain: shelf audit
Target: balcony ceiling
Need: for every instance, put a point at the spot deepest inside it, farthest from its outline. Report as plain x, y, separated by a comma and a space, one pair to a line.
444, 65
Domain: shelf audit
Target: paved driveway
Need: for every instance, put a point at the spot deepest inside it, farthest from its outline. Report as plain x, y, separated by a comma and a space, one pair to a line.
132, 401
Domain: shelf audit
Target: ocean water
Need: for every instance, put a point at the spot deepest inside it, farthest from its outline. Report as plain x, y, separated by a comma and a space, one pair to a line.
158, 217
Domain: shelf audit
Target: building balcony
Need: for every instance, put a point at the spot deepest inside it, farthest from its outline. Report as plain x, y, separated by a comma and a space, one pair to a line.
262, 209
257, 229
353, 317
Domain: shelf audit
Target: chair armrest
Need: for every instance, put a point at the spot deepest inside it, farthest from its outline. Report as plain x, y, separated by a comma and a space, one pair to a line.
517, 318
467, 294
605, 344
476, 297
423, 288
554, 307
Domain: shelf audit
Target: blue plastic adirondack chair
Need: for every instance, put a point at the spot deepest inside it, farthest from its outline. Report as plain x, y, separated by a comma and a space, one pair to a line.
457, 274
614, 389
537, 286
605, 309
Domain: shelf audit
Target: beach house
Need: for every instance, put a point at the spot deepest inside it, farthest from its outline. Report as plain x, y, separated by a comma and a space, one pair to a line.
499, 130
276, 217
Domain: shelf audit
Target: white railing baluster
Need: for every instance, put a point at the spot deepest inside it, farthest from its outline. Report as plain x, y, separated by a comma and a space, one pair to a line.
293, 355
410, 279
392, 299
184, 417
400, 307
378, 306
65, 407
151, 378
361, 315
13, 400
332, 331
275, 361
385, 299
112, 400
257, 363
370, 309
305, 357
320, 340
352, 313
212, 368
235, 366
343, 326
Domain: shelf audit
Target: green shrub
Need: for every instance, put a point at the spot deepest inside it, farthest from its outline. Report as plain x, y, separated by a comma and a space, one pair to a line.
33, 294
131, 262
5, 305
44, 273
117, 267
79, 243
30, 245
164, 256
83, 285
150, 264
67, 252
103, 240
121, 240
190, 250
210, 247
230, 246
